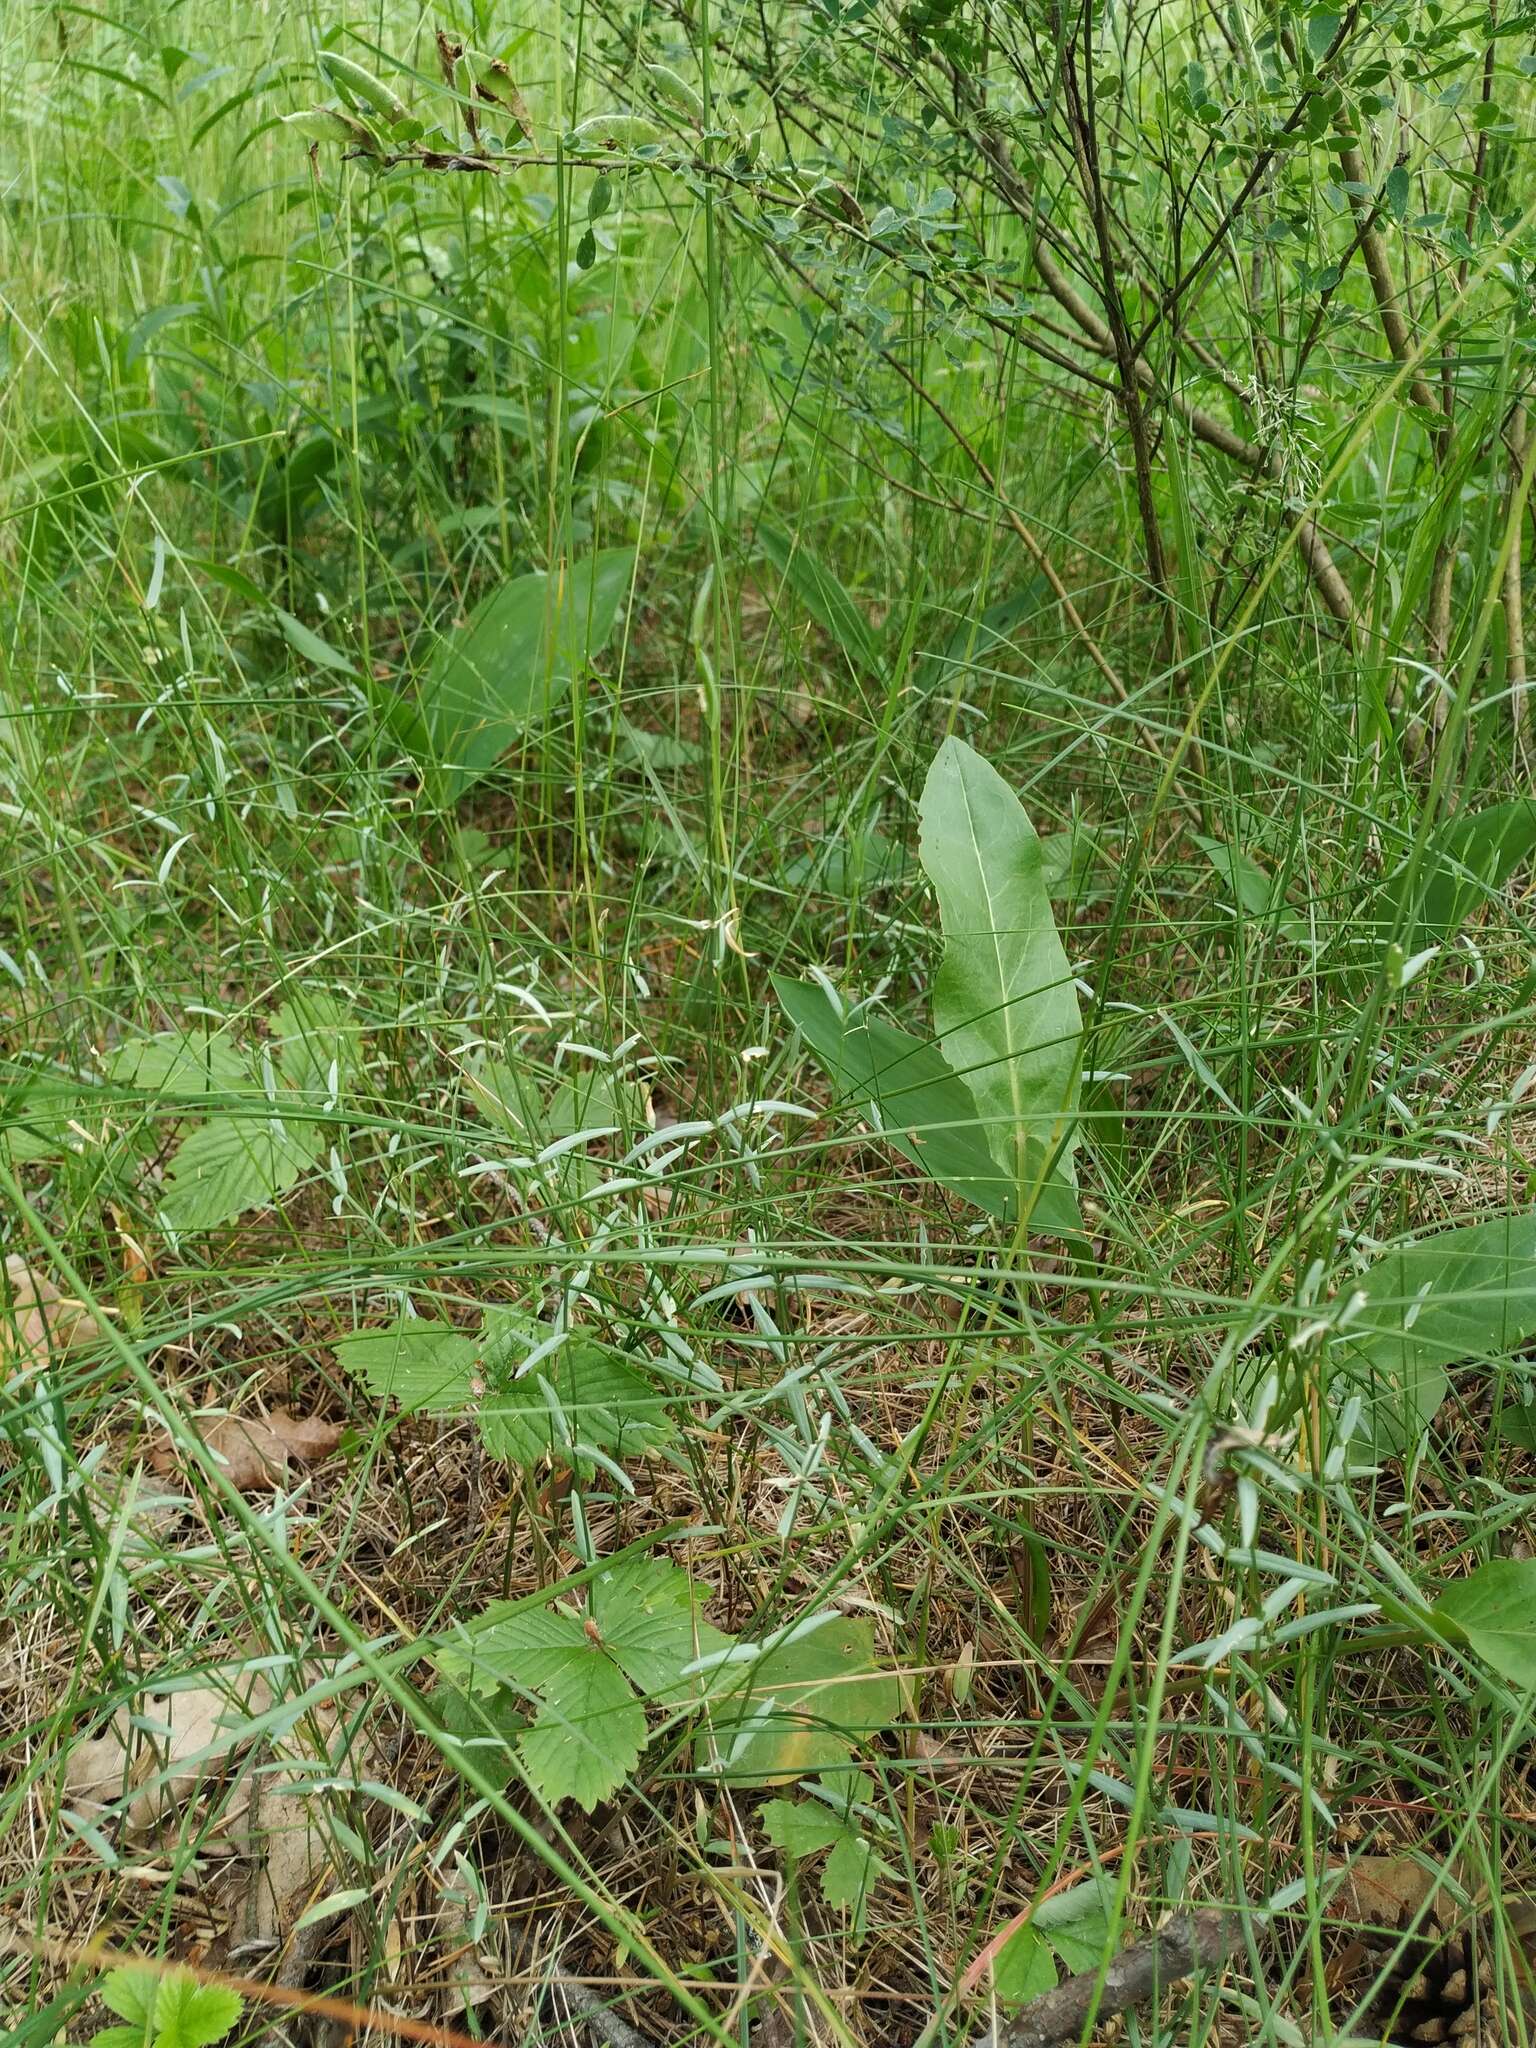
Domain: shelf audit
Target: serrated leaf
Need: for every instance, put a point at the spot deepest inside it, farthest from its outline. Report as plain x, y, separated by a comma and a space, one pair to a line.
1459, 1295
169, 2009
231, 1164
1493, 1610
419, 1362
317, 1038
130, 1991
183, 1065
648, 1614
1004, 1003
803, 1706
193, 2015
601, 1400
589, 1733
905, 1087
589, 1728
513, 661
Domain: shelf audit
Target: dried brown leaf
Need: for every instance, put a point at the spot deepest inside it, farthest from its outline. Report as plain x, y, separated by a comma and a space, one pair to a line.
37, 1322
170, 1748
258, 1451
1383, 1891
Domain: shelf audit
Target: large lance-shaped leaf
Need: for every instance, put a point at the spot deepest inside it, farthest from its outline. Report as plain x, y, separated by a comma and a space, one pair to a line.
904, 1086
1459, 1295
1469, 859
1004, 1005
511, 663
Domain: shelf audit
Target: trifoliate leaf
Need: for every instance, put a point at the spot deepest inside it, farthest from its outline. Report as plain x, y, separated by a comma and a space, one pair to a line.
804, 1827
642, 1630
166, 2010
647, 1612
193, 2015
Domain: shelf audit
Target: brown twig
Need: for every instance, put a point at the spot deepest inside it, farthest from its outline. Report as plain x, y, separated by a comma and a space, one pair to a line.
1190, 1942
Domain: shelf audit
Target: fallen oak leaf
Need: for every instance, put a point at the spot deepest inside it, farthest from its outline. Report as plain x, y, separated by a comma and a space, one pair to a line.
258, 1451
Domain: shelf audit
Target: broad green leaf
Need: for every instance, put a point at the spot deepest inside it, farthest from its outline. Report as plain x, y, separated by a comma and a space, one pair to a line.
318, 1043
1493, 1610
130, 1992
231, 1164
601, 1400
589, 1733
487, 1725
1251, 889
1023, 1969
36, 1114
642, 1629
851, 1872
1445, 1300
182, 1065
421, 1363
801, 1827
804, 1706
823, 596
1004, 1004
804, 1827
193, 2015
507, 1096
514, 659
169, 2009
906, 1089
310, 647
1076, 1923
1468, 859
648, 1615
868, 862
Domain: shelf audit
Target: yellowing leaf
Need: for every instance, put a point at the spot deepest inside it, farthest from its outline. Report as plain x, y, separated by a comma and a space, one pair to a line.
802, 1706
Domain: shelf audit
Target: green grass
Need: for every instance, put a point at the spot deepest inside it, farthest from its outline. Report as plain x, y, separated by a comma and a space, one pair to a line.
268, 432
